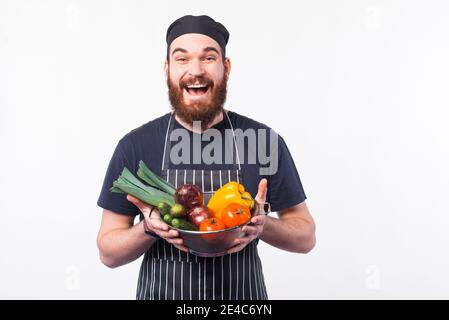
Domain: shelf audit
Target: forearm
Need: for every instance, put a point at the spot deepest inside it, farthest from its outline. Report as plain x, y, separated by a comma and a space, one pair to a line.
291, 234
119, 247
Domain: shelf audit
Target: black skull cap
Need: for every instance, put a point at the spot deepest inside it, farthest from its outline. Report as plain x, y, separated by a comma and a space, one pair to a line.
198, 24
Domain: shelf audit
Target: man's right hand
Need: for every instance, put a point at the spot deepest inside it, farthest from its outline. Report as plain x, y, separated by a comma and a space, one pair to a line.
155, 224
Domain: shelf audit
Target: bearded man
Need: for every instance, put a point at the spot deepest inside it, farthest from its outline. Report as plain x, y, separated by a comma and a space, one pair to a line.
197, 70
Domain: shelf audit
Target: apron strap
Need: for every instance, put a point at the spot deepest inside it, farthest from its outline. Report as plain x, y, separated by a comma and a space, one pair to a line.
166, 154
234, 140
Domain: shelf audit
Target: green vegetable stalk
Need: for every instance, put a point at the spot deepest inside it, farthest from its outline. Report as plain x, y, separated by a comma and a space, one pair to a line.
128, 183
154, 180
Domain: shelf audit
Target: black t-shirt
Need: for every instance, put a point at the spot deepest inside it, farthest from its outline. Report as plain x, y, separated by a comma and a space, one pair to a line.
147, 143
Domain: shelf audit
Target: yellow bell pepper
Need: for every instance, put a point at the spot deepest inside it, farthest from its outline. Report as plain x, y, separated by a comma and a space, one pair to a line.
231, 192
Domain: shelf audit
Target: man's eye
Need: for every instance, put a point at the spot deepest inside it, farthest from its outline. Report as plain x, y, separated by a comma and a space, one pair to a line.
181, 59
211, 58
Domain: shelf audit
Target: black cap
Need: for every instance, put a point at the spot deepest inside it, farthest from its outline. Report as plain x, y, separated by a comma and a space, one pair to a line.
198, 24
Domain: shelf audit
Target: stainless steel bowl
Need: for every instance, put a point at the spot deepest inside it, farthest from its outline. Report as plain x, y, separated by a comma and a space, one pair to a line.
215, 243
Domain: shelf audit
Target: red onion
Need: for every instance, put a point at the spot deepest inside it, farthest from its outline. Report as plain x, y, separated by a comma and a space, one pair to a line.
189, 196
198, 215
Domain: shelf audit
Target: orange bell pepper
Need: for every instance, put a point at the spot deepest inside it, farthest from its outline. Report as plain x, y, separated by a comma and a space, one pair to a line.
231, 192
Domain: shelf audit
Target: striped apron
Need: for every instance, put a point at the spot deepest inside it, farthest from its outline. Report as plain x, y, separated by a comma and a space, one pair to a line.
168, 273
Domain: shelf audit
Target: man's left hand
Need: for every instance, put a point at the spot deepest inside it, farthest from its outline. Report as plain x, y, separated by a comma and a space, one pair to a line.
254, 229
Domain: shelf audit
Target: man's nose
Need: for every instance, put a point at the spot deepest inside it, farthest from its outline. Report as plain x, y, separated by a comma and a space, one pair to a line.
196, 68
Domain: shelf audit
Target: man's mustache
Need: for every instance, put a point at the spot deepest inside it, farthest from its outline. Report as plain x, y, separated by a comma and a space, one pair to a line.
198, 80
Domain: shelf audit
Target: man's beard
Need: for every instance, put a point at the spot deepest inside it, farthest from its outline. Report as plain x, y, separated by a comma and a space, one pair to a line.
198, 111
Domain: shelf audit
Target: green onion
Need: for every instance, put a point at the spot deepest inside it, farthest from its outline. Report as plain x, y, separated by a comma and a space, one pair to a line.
154, 180
117, 190
128, 183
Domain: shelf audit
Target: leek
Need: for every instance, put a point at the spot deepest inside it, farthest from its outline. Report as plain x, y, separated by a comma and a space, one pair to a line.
154, 180
128, 183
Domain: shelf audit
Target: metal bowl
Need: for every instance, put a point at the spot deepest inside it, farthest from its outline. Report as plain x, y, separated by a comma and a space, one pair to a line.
215, 243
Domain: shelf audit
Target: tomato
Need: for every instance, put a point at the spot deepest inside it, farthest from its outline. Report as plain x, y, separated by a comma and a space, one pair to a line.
212, 224
235, 214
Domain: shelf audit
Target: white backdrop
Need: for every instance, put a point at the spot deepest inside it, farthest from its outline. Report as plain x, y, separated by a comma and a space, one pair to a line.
358, 89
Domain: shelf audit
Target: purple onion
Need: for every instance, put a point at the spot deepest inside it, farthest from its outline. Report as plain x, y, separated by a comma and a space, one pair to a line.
189, 195
198, 214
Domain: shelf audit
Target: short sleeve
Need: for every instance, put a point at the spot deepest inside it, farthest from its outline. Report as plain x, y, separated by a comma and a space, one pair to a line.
113, 201
284, 186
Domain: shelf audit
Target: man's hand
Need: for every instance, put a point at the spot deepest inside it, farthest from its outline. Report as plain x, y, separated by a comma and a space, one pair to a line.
155, 224
254, 229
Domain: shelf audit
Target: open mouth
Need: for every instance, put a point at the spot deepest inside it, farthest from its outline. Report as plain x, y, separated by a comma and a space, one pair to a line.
196, 89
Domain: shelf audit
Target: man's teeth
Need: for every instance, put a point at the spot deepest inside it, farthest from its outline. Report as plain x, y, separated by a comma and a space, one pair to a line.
196, 86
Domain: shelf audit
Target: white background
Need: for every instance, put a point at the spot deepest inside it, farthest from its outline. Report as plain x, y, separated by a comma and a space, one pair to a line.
358, 89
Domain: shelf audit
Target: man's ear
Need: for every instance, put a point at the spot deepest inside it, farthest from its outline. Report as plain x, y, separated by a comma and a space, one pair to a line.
166, 69
227, 66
